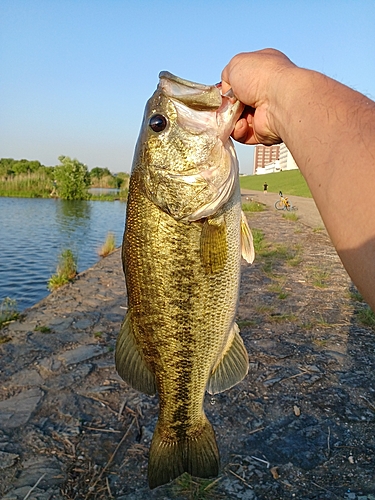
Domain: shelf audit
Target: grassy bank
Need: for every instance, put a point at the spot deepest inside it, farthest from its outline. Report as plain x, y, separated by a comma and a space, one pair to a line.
290, 182
28, 185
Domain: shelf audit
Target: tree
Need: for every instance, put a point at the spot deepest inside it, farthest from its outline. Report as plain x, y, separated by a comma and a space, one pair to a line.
73, 179
99, 172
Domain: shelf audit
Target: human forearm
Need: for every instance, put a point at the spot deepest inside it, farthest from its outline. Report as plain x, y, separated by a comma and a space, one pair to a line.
330, 131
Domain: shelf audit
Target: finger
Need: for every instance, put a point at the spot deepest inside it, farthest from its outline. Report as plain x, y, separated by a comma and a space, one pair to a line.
224, 86
242, 131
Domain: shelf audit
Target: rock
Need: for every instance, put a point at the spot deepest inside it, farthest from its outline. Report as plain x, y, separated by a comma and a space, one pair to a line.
17, 410
81, 353
26, 378
45, 470
7, 459
68, 379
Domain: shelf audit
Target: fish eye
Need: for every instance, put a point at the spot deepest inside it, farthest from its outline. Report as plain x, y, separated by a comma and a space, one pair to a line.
158, 123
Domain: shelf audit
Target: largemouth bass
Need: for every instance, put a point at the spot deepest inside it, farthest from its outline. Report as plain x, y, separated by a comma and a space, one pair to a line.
181, 257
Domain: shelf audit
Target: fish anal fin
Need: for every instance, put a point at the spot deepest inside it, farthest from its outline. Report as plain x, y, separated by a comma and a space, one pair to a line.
198, 455
130, 363
233, 365
247, 244
213, 245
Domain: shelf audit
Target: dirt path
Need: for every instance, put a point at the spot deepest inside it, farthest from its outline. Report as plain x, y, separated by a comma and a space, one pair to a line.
306, 208
300, 426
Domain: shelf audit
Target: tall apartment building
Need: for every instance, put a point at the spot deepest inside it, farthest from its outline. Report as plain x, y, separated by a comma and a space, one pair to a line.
286, 160
263, 155
268, 159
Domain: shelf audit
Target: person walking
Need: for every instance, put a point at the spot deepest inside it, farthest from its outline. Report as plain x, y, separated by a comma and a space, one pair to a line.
265, 187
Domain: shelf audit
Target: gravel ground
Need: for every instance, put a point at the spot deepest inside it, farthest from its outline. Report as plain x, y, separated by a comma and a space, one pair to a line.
300, 426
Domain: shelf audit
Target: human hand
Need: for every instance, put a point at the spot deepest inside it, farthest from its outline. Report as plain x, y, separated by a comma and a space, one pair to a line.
256, 79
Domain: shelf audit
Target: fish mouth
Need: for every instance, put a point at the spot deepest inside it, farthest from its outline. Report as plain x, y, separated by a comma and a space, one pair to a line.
201, 107
194, 95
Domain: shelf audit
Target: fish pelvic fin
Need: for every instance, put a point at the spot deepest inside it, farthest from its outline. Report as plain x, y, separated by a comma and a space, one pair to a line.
130, 363
247, 244
196, 454
213, 245
233, 365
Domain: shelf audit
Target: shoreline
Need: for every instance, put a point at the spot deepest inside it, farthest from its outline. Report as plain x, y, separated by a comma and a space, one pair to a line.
65, 414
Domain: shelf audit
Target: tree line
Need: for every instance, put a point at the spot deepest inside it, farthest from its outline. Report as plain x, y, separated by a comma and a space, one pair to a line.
70, 180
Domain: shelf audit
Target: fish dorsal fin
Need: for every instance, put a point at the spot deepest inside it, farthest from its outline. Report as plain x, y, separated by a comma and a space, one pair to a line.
213, 245
233, 365
130, 364
247, 244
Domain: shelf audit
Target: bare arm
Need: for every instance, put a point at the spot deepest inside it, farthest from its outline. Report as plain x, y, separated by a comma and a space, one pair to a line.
330, 131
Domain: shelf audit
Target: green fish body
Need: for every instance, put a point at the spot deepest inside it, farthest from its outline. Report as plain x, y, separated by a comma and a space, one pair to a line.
181, 256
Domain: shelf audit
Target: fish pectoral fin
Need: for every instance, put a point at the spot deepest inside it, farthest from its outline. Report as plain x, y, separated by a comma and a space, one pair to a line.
247, 243
130, 363
213, 245
196, 454
233, 365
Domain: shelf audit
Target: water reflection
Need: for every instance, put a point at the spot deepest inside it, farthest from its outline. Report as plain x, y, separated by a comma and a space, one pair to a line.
77, 209
35, 231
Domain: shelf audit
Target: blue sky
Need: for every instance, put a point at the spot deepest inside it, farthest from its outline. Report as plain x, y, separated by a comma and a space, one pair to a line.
75, 75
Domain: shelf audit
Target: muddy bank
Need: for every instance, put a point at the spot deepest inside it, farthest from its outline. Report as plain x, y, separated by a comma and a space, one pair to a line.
301, 425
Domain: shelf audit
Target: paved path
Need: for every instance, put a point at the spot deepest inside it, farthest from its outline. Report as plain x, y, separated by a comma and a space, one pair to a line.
307, 210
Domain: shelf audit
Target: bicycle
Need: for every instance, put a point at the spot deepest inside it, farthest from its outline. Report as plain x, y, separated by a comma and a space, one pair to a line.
283, 203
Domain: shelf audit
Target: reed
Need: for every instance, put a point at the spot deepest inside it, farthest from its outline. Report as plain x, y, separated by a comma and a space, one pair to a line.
109, 245
31, 185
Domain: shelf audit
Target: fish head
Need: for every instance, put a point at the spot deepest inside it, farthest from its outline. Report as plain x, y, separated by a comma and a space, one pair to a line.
184, 158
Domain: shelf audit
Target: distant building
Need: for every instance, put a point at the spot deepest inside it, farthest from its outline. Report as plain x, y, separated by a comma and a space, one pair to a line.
286, 159
270, 159
264, 155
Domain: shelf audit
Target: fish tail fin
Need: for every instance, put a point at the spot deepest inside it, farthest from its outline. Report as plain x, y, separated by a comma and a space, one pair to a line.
198, 455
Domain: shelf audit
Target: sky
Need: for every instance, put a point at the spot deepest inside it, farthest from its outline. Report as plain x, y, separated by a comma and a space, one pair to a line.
75, 75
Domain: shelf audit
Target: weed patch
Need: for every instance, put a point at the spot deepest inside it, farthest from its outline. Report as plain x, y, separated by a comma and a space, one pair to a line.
109, 245
42, 329
292, 216
8, 311
195, 488
253, 206
319, 277
66, 270
366, 316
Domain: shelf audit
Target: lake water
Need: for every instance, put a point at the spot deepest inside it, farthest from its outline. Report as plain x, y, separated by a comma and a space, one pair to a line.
33, 233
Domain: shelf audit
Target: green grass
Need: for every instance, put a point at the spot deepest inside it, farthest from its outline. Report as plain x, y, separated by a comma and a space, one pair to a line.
66, 270
319, 277
31, 185
366, 316
290, 182
253, 206
258, 239
42, 329
8, 311
292, 216
195, 488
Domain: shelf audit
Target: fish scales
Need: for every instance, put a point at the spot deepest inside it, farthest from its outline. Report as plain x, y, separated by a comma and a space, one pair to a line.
179, 337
